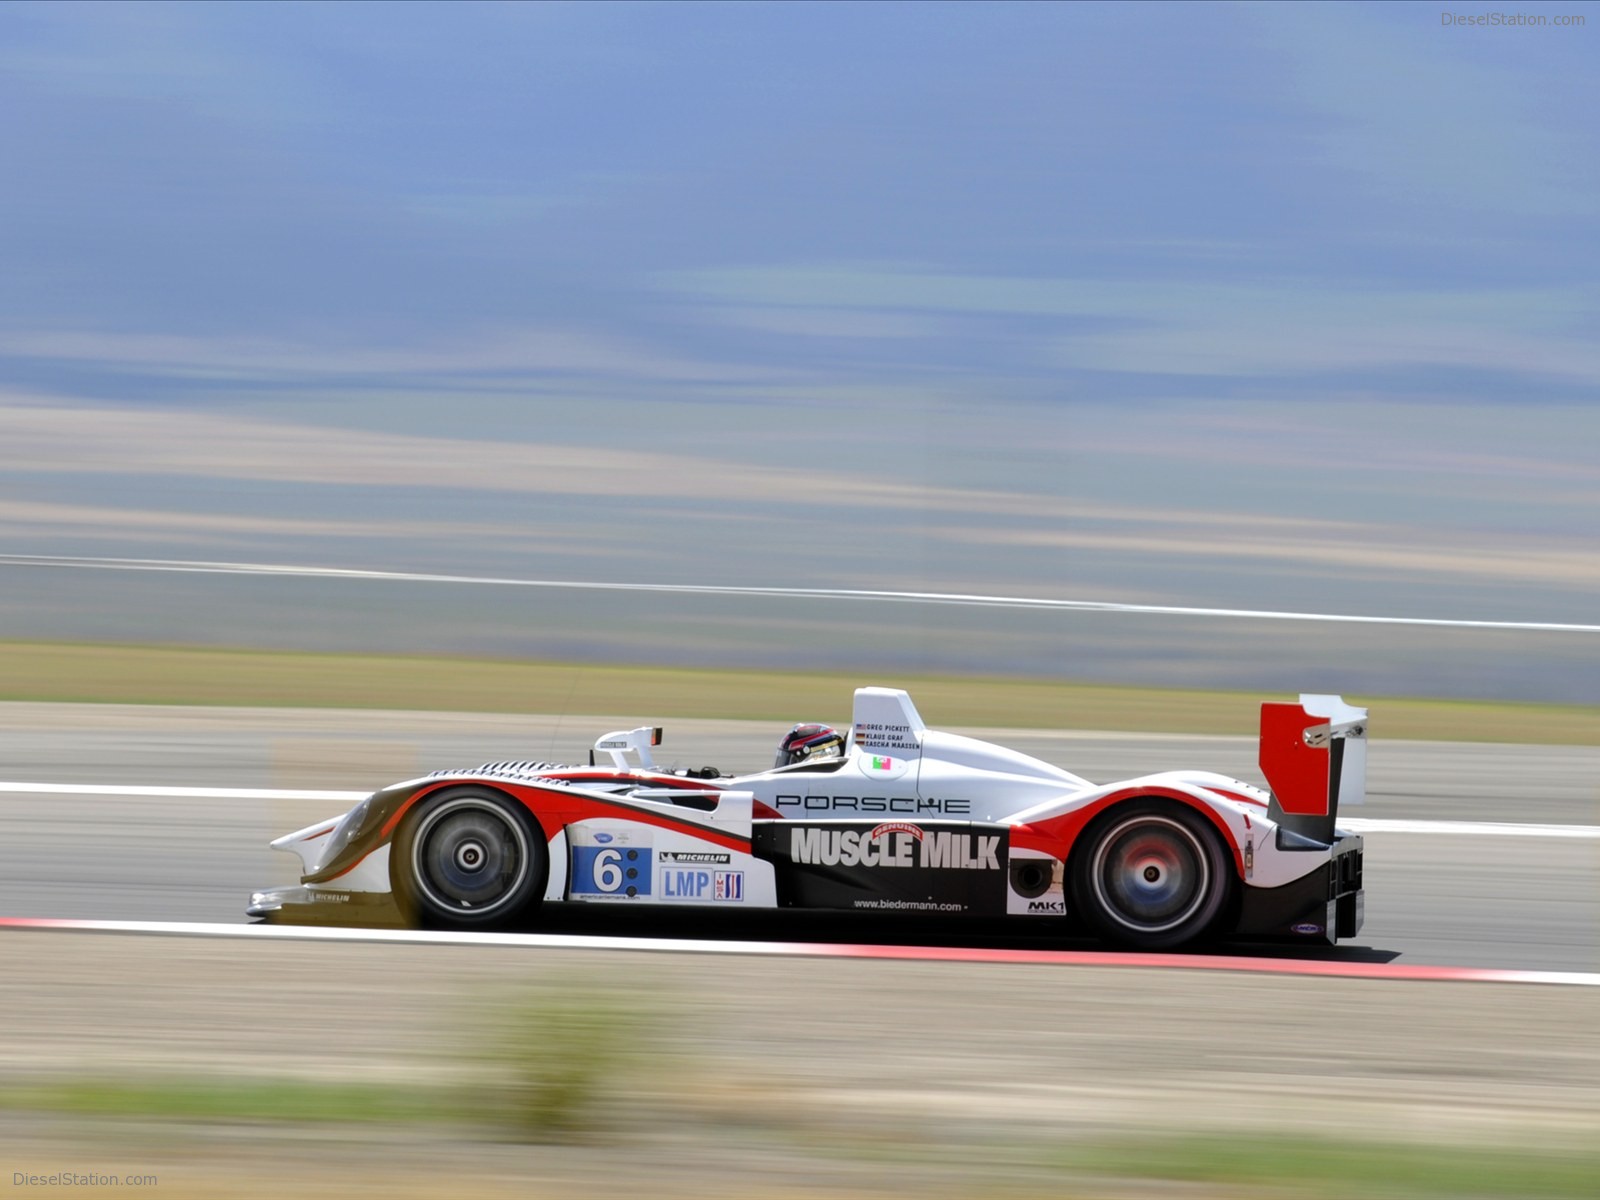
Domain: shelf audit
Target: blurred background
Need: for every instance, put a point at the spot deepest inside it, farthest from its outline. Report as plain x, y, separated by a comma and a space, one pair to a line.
1244, 306
1250, 306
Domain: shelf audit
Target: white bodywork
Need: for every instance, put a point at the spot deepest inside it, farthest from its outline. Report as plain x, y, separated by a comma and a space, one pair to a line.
635, 834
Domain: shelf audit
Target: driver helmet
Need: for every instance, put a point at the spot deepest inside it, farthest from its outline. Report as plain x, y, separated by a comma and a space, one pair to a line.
807, 741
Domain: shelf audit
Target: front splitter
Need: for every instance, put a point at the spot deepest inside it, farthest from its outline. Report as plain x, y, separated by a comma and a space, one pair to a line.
297, 902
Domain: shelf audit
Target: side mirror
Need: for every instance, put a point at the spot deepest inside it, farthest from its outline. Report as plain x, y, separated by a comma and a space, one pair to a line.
625, 741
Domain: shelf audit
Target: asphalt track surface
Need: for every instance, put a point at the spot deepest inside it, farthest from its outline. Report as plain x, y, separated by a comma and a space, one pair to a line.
1471, 898
958, 599
765, 1068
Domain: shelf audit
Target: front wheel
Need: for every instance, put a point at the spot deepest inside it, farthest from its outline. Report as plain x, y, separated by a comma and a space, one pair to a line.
468, 858
1151, 875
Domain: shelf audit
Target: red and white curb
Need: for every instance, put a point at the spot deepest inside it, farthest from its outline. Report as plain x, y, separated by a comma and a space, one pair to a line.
943, 954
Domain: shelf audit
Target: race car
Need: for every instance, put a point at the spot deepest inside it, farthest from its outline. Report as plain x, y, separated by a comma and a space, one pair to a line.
886, 817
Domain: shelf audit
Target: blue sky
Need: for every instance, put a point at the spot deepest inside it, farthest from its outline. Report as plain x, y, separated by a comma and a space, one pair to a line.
358, 176
1130, 271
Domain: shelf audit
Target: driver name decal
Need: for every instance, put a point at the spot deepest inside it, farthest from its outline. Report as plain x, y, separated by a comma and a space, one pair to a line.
874, 736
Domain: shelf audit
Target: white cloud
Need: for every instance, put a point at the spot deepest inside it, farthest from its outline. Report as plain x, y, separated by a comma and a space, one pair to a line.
1184, 326
508, 350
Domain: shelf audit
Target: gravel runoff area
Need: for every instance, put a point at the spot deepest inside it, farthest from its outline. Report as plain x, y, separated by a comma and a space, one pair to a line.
763, 1077
197, 676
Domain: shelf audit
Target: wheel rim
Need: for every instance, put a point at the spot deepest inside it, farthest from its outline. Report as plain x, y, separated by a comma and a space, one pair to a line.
1151, 874
467, 857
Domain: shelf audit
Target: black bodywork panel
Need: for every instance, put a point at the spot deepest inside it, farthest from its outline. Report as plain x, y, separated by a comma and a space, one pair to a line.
924, 866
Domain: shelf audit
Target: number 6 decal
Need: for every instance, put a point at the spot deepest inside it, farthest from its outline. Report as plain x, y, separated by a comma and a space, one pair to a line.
611, 872
608, 870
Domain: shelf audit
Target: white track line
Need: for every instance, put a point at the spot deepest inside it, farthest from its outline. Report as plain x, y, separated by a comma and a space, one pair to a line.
1365, 825
1362, 825
1347, 968
209, 793
956, 598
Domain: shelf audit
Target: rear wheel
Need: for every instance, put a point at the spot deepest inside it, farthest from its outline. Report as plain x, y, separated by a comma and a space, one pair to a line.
468, 858
1151, 875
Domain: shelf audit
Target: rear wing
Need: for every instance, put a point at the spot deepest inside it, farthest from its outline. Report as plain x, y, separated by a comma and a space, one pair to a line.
1314, 755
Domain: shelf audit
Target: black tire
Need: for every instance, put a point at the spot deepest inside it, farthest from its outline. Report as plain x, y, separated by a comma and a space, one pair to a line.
1150, 875
468, 858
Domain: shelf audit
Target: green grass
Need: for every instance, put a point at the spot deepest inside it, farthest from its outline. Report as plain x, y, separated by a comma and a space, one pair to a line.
551, 1067
1337, 1168
557, 1063
186, 675
558, 1105
226, 1100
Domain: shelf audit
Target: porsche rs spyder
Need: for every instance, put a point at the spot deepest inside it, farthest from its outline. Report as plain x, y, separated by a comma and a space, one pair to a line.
887, 817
